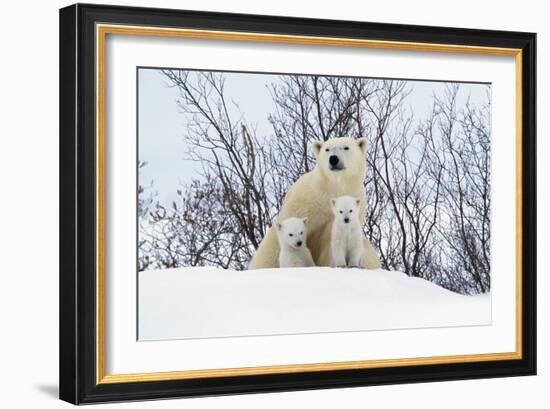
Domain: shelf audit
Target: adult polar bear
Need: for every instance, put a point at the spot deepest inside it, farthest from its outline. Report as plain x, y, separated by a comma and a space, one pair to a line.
339, 171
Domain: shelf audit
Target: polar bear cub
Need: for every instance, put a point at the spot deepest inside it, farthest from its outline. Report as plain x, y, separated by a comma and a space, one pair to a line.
292, 233
346, 240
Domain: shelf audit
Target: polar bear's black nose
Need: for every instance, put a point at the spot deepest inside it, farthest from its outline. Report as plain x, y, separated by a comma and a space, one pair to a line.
346, 220
299, 243
333, 160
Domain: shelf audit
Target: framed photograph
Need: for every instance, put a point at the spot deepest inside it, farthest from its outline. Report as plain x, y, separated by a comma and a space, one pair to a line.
257, 203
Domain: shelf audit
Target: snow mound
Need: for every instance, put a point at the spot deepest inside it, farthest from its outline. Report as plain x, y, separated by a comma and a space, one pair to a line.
209, 302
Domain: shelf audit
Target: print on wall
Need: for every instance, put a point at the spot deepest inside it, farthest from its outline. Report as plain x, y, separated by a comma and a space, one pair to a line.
291, 203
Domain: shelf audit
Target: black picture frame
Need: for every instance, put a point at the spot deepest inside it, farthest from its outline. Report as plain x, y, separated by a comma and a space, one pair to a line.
78, 312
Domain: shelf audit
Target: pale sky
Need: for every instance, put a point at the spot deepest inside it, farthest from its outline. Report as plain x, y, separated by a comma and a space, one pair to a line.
161, 127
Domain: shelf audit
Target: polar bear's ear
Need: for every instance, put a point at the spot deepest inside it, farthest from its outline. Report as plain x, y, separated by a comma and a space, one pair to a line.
362, 143
305, 221
317, 145
357, 201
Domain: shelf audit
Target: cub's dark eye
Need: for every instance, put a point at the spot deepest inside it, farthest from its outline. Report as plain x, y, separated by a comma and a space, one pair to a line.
341, 212
301, 233
327, 149
346, 148
351, 211
290, 234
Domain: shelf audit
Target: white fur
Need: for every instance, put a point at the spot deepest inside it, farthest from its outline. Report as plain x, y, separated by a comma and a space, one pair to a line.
292, 234
310, 197
346, 239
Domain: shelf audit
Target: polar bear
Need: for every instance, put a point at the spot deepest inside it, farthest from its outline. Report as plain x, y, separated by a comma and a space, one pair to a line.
339, 171
346, 239
292, 234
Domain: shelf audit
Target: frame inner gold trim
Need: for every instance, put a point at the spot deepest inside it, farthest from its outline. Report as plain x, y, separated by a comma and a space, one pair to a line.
101, 32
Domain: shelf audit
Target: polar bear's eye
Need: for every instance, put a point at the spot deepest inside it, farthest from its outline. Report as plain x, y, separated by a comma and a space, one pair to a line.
327, 149
351, 211
346, 148
290, 234
341, 212
301, 233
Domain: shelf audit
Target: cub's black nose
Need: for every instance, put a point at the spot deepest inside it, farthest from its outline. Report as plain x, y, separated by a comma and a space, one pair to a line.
299, 243
333, 160
346, 220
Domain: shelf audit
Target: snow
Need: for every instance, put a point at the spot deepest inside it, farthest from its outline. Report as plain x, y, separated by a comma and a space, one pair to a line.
208, 302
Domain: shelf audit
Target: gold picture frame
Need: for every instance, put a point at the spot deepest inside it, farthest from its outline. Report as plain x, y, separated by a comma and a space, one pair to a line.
97, 20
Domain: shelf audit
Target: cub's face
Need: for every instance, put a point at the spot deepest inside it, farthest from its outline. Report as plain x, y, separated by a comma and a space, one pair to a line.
341, 156
345, 209
293, 232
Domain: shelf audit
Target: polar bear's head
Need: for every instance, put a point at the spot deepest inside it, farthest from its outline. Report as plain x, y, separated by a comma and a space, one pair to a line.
341, 156
345, 208
292, 232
